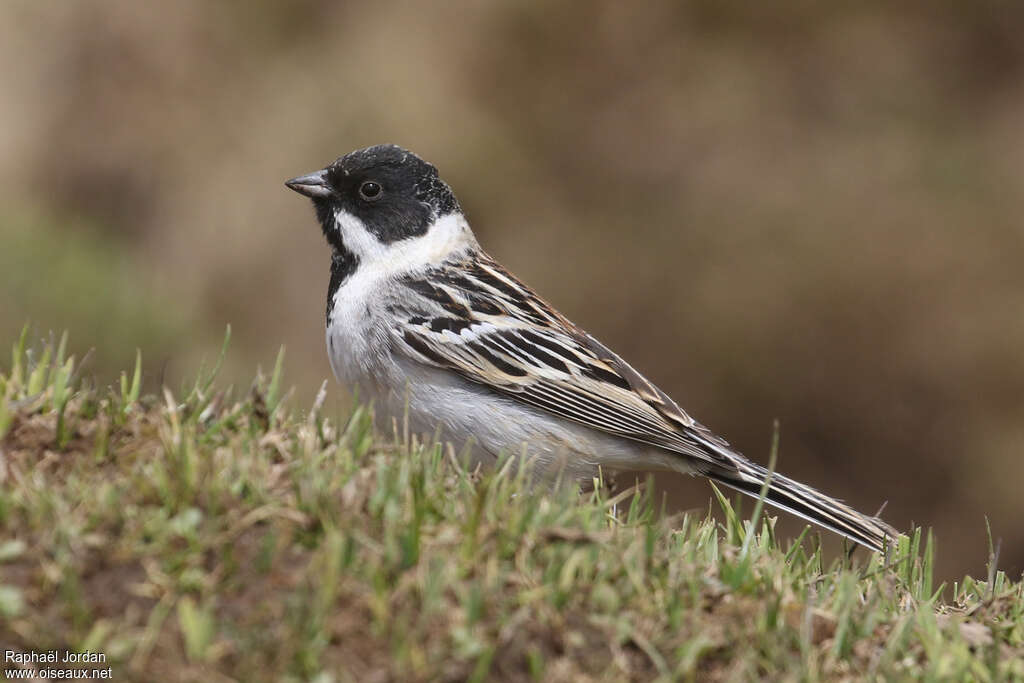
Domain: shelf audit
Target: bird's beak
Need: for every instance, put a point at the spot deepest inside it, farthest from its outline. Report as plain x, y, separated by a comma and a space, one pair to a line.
311, 184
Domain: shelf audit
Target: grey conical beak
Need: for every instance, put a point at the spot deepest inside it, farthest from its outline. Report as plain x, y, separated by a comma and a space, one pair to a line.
311, 184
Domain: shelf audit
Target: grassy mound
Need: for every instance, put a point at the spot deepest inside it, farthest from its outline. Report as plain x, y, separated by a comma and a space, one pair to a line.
215, 537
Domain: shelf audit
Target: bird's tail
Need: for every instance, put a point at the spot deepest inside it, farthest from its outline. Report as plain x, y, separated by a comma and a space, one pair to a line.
805, 502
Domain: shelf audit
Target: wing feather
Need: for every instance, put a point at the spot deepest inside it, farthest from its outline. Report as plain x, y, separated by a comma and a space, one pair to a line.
474, 318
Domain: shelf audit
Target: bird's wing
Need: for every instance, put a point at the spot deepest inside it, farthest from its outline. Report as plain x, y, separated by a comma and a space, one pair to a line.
472, 317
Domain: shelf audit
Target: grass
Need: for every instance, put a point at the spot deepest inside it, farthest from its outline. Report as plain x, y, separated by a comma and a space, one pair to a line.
215, 535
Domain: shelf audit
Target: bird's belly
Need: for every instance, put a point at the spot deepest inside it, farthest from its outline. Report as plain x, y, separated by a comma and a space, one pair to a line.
426, 401
432, 402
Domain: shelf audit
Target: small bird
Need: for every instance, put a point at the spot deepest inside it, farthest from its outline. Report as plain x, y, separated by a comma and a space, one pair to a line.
435, 331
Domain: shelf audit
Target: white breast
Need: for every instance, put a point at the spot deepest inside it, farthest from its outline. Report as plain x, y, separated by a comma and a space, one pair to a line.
357, 329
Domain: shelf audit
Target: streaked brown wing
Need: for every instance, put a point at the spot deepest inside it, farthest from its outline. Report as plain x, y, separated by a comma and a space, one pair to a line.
491, 329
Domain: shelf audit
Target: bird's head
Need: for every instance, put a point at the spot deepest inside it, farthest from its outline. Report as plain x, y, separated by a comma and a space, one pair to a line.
376, 197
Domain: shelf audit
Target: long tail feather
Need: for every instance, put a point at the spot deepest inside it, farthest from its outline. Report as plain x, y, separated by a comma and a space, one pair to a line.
805, 502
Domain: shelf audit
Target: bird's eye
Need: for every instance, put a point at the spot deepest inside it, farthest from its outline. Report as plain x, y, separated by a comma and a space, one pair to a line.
370, 191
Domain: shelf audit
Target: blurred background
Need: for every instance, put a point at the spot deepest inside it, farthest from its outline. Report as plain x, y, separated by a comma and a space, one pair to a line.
803, 212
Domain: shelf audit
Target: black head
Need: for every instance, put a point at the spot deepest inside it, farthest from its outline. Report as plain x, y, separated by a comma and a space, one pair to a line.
393, 193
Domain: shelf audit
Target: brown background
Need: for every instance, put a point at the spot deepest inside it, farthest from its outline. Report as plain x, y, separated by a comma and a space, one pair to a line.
776, 211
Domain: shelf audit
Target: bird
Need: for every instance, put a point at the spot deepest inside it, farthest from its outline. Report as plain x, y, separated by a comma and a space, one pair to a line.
429, 328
